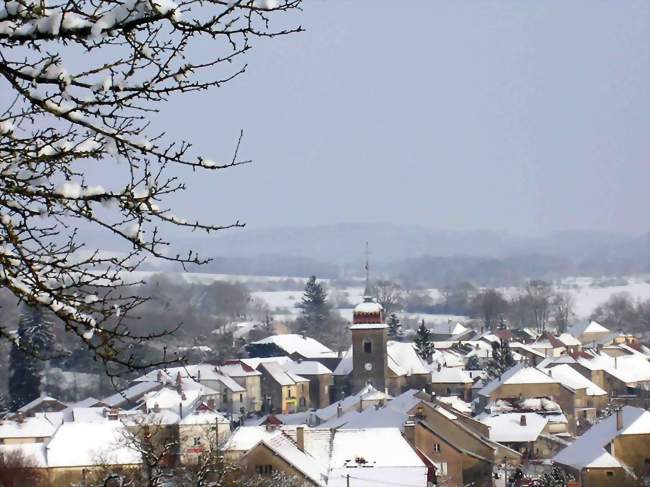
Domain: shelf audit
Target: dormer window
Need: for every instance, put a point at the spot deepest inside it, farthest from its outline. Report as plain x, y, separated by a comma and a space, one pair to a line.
367, 345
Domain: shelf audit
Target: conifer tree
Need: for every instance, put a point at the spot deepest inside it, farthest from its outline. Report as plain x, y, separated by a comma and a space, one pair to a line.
315, 316
501, 361
33, 345
473, 363
423, 344
394, 327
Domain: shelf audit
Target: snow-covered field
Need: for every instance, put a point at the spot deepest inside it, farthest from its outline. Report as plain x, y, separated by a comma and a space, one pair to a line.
588, 292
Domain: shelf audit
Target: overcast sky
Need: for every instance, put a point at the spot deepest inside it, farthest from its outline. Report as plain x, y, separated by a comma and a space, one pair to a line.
527, 117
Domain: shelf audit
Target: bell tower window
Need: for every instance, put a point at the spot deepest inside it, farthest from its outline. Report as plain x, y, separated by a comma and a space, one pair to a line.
367, 345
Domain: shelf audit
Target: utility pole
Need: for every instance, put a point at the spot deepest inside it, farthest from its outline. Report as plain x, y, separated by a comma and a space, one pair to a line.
348, 480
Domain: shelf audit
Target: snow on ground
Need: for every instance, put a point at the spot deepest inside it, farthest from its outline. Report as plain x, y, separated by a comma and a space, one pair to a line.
588, 298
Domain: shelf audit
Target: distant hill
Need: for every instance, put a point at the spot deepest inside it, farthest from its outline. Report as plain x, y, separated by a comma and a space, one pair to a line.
432, 256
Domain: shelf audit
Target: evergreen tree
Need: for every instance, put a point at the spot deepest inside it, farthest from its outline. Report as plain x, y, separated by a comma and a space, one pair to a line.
473, 363
394, 327
501, 361
314, 320
33, 345
423, 344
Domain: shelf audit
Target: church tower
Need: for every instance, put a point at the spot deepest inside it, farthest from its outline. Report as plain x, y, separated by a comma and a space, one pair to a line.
369, 340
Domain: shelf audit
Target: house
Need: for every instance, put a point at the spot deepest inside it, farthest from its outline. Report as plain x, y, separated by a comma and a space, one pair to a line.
521, 382
589, 398
611, 451
38, 428
589, 332
627, 375
200, 431
326, 457
79, 448
571, 343
247, 377
132, 395
549, 345
457, 445
445, 331
42, 404
302, 347
320, 380
225, 392
519, 431
283, 391
447, 381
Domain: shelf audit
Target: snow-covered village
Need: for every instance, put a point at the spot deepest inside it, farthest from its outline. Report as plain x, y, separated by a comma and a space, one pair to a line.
297, 243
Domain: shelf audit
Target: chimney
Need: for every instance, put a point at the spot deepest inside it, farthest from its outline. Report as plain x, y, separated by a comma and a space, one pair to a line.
616, 362
300, 437
156, 408
20, 417
522, 420
619, 419
339, 411
439, 367
409, 430
113, 414
180, 409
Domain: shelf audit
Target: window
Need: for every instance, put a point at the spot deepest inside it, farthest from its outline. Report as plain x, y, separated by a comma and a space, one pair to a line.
241, 398
197, 441
264, 469
367, 345
609, 473
436, 447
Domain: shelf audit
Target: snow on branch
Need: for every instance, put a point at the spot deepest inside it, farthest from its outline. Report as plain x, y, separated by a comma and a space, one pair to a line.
70, 112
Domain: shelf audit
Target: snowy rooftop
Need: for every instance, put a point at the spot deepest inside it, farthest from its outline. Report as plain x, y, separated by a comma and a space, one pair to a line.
345, 366
450, 375
38, 401
519, 374
508, 428
134, 392
456, 403
369, 326
306, 367
280, 375
449, 328
41, 425
238, 369
589, 449
630, 369
368, 307
246, 437
569, 340
204, 417
81, 444
570, 377
587, 327
294, 343
404, 360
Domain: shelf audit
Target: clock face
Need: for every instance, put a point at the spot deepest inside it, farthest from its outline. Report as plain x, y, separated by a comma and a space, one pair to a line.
368, 366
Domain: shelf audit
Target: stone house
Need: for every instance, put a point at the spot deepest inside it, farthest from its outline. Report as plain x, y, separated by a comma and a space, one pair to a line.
451, 381
612, 452
247, 377
283, 391
320, 380
521, 382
